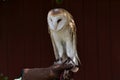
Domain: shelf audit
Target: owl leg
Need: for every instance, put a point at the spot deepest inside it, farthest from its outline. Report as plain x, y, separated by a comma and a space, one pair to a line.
71, 52
58, 61
60, 52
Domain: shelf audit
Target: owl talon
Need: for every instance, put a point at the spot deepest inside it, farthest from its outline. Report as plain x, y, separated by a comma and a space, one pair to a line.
58, 61
69, 59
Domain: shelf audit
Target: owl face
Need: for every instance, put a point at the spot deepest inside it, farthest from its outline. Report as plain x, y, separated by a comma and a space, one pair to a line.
57, 19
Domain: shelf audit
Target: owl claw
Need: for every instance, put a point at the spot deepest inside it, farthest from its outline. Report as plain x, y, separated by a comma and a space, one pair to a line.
58, 61
69, 59
75, 67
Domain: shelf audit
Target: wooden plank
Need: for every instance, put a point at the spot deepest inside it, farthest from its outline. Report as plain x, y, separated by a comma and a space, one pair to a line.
3, 43
90, 33
35, 22
29, 19
115, 34
15, 38
104, 42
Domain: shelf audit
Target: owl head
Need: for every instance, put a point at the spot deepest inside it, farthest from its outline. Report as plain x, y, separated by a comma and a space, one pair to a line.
58, 18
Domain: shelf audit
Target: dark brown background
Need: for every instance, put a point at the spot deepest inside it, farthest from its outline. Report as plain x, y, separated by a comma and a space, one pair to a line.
25, 42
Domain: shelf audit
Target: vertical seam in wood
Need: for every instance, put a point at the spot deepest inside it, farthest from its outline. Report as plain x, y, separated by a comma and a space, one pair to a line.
97, 39
110, 39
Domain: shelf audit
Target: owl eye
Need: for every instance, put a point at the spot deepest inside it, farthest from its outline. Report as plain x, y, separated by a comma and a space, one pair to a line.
59, 20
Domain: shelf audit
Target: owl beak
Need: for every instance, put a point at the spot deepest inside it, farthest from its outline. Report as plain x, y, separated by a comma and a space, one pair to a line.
55, 27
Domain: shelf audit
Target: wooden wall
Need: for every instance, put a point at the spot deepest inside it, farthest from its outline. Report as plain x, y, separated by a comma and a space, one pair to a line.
25, 42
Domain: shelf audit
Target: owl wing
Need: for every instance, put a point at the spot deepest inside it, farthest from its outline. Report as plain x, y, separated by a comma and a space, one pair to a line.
74, 37
54, 46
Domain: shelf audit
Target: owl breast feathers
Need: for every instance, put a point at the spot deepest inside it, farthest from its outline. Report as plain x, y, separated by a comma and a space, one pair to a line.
62, 30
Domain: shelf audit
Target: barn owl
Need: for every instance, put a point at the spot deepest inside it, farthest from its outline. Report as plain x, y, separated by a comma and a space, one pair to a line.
62, 31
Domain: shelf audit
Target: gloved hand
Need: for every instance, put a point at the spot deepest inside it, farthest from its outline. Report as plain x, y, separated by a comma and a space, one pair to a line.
53, 72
